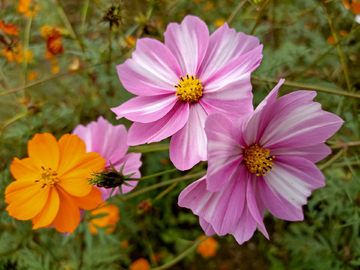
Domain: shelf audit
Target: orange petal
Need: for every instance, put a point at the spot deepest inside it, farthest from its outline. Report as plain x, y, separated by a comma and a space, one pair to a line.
355, 6
72, 148
90, 201
29, 204
44, 151
18, 189
68, 216
49, 212
24, 169
75, 182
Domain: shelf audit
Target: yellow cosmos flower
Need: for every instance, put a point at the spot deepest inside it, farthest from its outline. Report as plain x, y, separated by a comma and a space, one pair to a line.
51, 184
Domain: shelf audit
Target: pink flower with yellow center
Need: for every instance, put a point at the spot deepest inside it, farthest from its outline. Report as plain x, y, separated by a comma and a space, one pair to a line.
262, 160
181, 82
110, 142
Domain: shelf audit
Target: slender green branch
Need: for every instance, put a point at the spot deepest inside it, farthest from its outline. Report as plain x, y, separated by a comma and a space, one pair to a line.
12, 120
154, 175
236, 10
26, 46
166, 191
181, 256
83, 20
309, 87
331, 161
307, 10
149, 148
259, 16
148, 247
169, 182
345, 145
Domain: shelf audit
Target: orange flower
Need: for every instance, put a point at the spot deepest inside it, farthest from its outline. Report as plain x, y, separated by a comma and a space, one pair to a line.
16, 54
9, 28
219, 22
355, 6
209, 5
27, 10
51, 184
53, 39
207, 248
331, 40
343, 33
346, 4
131, 40
112, 217
140, 264
32, 75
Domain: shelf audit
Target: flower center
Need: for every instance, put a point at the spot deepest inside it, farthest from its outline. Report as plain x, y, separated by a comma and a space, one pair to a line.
48, 177
258, 160
189, 89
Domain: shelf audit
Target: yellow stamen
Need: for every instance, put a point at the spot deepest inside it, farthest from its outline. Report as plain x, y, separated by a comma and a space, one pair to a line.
48, 177
189, 89
258, 160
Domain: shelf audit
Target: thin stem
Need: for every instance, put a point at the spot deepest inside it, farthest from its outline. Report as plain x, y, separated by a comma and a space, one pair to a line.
148, 247
149, 148
331, 161
154, 175
86, 7
110, 51
181, 256
169, 182
166, 191
11, 120
333, 32
8, 85
309, 87
239, 6
259, 16
68, 25
307, 10
345, 145
26, 46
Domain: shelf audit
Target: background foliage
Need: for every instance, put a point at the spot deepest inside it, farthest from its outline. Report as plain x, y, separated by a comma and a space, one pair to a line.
297, 46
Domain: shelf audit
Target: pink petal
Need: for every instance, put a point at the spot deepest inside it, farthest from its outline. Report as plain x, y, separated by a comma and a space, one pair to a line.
245, 227
285, 189
188, 145
221, 209
153, 69
234, 74
104, 138
208, 229
224, 153
314, 153
188, 42
234, 99
253, 206
258, 121
145, 109
172, 122
294, 120
225, 45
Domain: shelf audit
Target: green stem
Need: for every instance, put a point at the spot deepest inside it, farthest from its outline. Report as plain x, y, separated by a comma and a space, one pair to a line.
110, 52
345, 145
26, 45
236, 10
259, 16
154, 175
86, 7
169, 182
12, 120
148, 247
149, 148
181, 256
308, 87
331, 161
166, 191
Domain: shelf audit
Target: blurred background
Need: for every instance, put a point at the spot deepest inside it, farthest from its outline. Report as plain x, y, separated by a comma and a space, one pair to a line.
58, 69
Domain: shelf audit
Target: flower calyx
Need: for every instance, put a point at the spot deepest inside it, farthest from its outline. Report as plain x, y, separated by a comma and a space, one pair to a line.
110, 178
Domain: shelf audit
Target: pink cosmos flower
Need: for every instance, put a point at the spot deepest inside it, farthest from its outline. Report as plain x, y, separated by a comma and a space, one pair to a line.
262, 160
110, 142
181, 82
